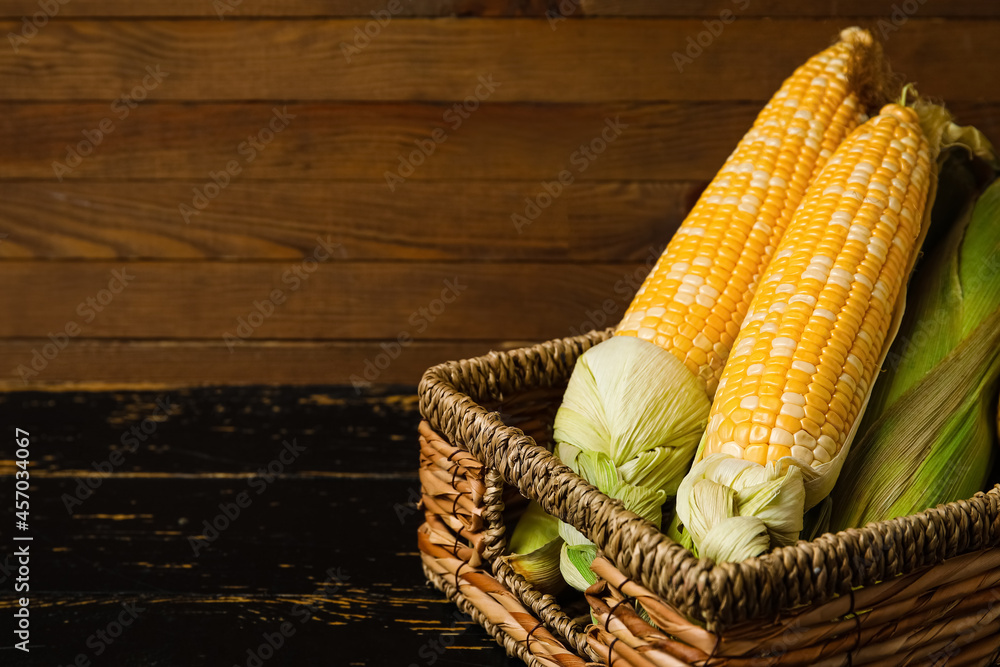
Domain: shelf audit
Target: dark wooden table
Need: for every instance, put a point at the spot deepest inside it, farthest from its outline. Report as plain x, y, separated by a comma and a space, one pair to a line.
312, 492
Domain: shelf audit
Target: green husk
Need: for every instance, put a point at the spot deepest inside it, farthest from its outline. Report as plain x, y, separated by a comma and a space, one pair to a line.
928, 435
778, 495
534, 547
574, 564
578, 552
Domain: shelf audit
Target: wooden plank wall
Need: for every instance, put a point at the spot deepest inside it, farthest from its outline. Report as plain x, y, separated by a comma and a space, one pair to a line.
228, 142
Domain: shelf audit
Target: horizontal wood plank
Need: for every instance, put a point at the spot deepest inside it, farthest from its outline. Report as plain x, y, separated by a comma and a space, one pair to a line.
300, 553
170, 364
615, 221
174, 628
142, 539
232, 9
529, 59
157, 539
365, 300
219, 431
875, 9
237, 9
379, 143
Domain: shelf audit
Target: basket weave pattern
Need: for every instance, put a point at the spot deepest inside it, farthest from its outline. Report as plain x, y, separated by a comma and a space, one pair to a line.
923, 589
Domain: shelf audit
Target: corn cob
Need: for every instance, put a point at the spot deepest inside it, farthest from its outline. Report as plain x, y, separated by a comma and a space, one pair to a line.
812, 341
695, 297
642, 398
929, 430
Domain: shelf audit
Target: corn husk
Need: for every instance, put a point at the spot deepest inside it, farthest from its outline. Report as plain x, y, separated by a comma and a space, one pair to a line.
638, 405
630, 422
534, 547
929, 433
780, 507
577, 552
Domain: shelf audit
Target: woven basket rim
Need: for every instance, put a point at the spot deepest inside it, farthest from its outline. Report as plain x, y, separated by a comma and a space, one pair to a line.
718, 594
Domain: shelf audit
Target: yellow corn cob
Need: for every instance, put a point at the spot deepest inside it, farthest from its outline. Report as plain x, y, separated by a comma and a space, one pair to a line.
637, 404
694, 299
811, 343
810, 346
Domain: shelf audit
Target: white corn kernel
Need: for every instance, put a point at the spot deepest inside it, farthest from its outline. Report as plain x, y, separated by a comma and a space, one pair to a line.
792, 410
780, 436
793, 398
802, 454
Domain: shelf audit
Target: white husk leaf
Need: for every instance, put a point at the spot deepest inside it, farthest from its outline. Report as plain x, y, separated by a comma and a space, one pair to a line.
639, 405
630, 421
571, 535
721, 488
735, 538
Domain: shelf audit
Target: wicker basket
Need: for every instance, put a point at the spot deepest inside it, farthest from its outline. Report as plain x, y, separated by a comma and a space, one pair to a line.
921, 590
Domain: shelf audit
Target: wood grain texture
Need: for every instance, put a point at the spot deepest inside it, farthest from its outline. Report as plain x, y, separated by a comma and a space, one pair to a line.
503, 8
295, 60
218, 432
130, 363
346, 300
366, 142
407, 625
425, 220
875, 9
354, 121
159, 547
237, 9
327, 544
